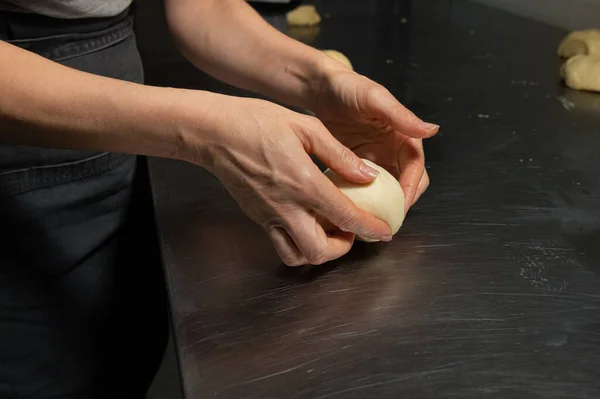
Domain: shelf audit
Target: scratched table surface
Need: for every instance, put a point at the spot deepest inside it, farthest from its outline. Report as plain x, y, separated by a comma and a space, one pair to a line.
492, 287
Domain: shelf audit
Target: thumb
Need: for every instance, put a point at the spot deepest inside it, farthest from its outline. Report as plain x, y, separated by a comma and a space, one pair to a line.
382, 106
317, 140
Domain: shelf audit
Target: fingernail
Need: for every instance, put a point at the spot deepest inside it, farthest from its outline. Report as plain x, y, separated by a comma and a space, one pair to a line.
368, 171
430, 127
387, 238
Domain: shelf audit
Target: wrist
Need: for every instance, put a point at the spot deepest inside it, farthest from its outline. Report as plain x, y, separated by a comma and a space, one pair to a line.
205, 126
315, 76
191, 120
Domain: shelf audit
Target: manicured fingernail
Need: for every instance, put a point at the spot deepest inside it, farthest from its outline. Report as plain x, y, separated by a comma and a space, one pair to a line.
430, 127
368, 171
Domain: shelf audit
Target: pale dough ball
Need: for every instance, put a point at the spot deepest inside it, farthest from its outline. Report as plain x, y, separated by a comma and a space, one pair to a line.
586, 42
305, 15
582, 72
304, 34
336, 55
383, 197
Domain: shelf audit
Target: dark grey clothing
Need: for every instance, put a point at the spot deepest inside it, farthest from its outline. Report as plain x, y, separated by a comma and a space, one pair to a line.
82, 301
67, 9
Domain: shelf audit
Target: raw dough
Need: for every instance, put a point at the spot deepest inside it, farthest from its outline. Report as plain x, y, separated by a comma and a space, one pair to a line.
305, 15
383, 197
586, 42
582, 72
336, 55
304, 34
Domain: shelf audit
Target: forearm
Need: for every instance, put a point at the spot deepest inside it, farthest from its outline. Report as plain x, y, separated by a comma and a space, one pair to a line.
230, 41
45, 104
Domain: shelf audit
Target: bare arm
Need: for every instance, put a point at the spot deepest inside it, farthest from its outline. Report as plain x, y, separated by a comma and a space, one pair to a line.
45, 104
230, 41
256, 148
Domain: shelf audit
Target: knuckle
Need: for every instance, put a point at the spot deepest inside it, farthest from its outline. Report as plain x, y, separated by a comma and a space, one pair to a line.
346, 155
378, 91
346, 221
306, 183
318, 254
291, 260
306, 173
310, 127
314, 123
292, 186
276, 177
271, 221
317, 258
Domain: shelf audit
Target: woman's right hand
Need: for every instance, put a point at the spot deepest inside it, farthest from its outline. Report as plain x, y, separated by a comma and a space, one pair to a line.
260, 152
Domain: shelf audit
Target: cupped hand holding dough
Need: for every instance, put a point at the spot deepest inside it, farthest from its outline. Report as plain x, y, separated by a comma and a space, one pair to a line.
336, 55
383, 197
305, 15
582, 42
582, 72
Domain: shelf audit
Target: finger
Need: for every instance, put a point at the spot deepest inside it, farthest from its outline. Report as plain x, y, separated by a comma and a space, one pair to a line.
286, 247
315, 246
411, 162
334, 206
384, 107
423, 184
317, 140
339, 243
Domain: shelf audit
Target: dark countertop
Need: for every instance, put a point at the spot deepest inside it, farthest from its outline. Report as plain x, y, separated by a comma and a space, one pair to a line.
492, 288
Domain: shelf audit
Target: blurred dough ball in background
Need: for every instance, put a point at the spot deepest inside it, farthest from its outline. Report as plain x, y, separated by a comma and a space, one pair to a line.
582, 72
336, 55
305, 15
582, 42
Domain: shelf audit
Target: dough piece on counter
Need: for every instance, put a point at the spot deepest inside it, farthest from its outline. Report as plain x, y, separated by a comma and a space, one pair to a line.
304, 34
305, 15
336, 55
586, 42
582, 72
383, 197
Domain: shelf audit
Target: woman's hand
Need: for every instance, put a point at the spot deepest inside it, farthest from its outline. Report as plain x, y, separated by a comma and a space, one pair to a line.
260, 152
366, 118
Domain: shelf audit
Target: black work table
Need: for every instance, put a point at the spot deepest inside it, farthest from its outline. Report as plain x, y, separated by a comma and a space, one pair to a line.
492, 287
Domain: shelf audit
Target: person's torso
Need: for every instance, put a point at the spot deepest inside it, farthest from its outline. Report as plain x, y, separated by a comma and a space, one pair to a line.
102, 46
67, 9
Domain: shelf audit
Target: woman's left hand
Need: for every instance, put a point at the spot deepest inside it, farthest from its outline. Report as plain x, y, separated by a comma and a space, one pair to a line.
367, 118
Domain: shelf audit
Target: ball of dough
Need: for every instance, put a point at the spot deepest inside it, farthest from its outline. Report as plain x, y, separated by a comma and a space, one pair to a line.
305, 15
336, 55
586, 42
383, 197
304, 34
582, 72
